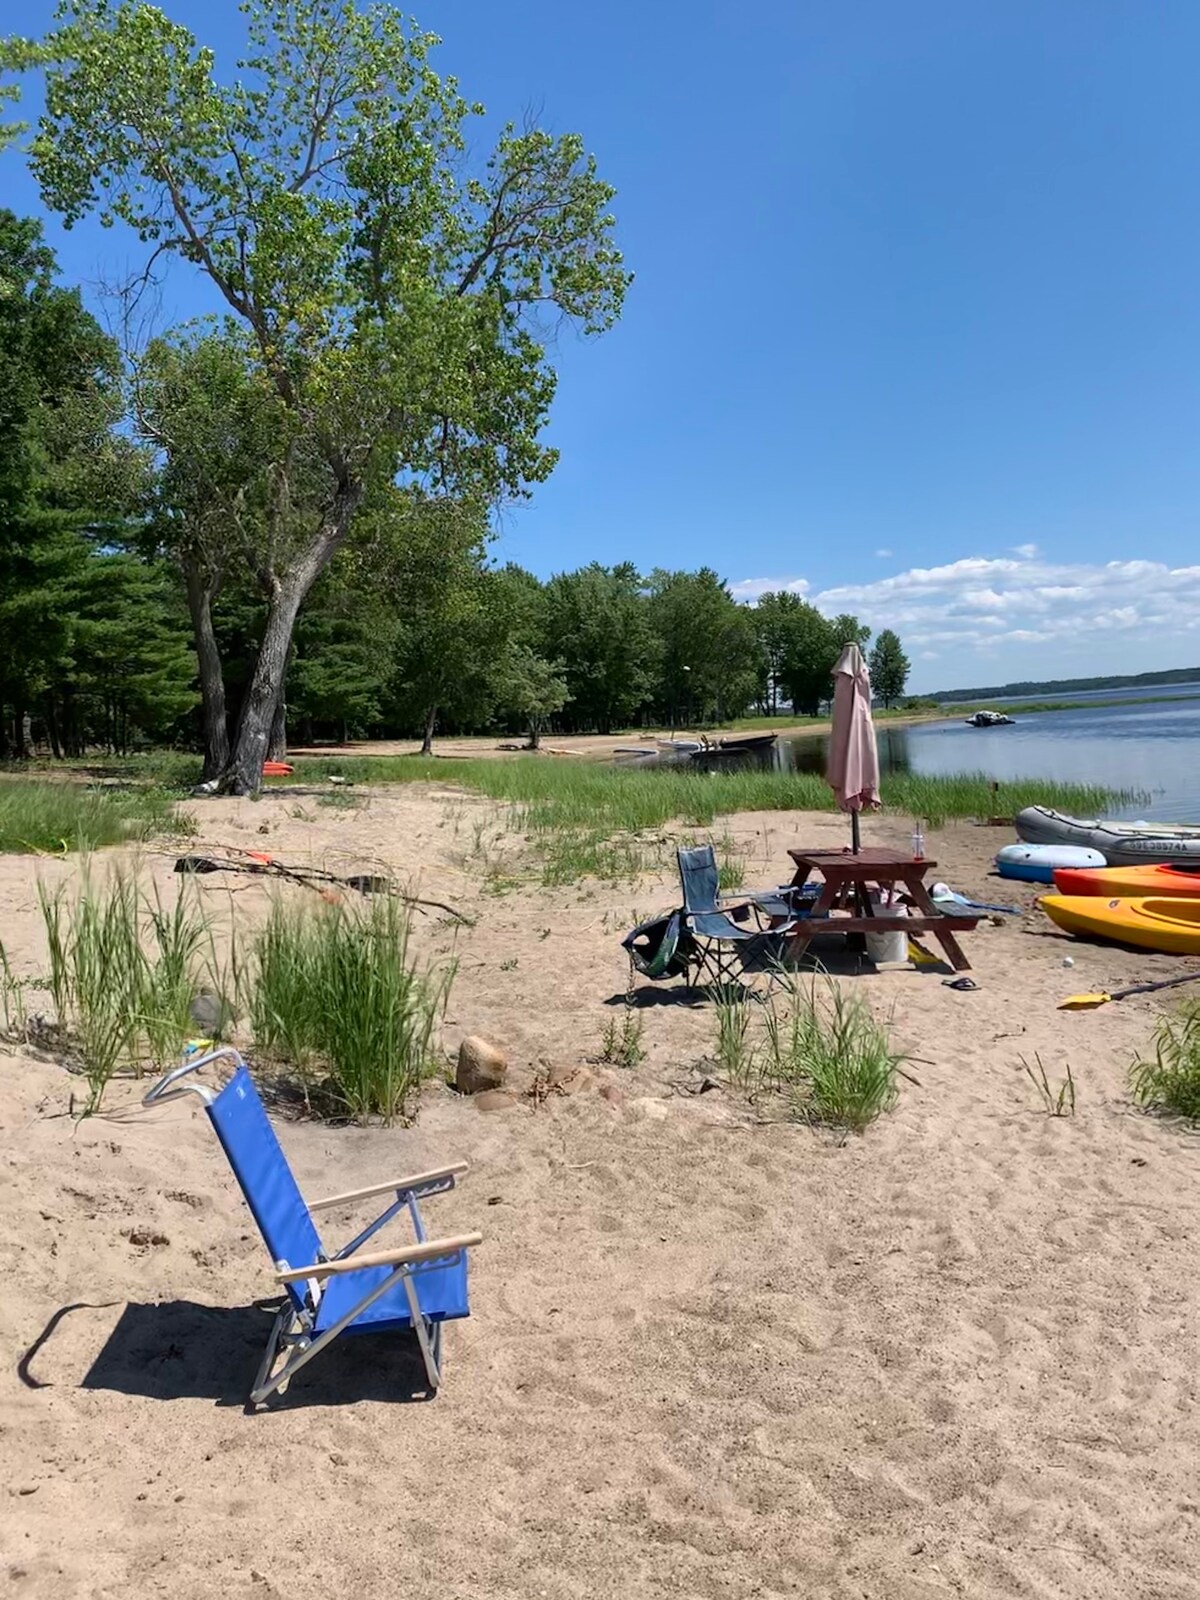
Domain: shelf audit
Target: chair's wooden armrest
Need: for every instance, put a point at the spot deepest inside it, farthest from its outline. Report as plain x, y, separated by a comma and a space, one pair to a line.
429, 1251
418, 1180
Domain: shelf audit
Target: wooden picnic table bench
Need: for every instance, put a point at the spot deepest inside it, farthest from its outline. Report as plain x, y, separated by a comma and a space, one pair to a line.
844, 904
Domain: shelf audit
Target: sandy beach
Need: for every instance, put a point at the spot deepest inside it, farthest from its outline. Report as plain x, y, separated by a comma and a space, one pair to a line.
597, 746
711, 1354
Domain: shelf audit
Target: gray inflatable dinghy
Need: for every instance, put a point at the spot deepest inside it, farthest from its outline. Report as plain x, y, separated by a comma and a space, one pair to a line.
1122, 844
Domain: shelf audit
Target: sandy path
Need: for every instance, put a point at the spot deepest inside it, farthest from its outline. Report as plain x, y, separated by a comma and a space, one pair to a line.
708, 1357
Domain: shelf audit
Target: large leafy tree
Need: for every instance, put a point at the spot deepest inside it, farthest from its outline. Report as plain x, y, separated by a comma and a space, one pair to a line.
204, 405
392, 298
708, 668
532, 688
801, 646
596, 622
453, 633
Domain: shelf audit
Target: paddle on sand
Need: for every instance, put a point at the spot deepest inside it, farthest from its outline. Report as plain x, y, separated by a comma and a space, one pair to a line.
1089, 1002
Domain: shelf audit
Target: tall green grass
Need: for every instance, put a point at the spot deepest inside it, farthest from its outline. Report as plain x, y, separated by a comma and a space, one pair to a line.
560, 792
51, 818
588, 819
123, 970
822, 1050
1170, 1081
334, 994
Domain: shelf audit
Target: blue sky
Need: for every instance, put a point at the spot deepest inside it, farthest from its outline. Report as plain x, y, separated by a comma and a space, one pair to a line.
916, 324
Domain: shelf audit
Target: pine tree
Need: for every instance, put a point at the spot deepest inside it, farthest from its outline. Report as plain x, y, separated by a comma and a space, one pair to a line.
889, 667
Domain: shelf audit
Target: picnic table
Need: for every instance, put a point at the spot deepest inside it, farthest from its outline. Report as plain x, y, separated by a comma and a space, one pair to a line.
844, 904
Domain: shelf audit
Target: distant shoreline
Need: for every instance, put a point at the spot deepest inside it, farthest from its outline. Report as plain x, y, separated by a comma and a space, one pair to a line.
1066, 686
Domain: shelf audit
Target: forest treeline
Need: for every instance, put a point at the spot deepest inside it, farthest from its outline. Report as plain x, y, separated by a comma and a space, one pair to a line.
412, 627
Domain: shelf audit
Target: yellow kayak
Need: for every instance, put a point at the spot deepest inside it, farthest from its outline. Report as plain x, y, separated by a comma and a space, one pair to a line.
1170, 925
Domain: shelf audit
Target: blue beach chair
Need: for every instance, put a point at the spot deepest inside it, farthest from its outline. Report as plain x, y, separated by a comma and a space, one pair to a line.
416, 1287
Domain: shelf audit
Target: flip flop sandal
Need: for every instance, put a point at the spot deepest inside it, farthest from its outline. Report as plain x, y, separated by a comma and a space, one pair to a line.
962, 984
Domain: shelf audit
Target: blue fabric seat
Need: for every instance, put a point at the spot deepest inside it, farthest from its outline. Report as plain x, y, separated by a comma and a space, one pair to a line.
441, 1291
414, 1288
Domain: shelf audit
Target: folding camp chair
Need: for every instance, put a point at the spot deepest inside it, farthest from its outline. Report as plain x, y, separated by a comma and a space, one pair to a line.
418, 1286
718, 941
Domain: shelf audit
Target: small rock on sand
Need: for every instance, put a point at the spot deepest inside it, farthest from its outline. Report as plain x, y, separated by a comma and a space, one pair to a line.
495, 1100
480, 1066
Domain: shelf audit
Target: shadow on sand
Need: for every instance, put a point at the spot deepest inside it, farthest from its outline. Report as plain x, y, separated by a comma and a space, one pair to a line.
180, 1350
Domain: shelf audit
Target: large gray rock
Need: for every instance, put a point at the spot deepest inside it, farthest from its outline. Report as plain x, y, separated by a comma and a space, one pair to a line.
480, 1066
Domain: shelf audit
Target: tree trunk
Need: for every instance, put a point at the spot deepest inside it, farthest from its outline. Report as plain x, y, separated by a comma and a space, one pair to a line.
243, 773
212, 682
430, 724
20, 723
535, 734
277, 744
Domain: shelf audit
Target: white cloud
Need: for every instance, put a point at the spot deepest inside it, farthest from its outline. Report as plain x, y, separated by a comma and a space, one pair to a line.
1022, 615
883, 554
751, 589
1027, 552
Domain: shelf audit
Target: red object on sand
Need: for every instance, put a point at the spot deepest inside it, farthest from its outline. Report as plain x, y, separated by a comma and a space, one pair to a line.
277, 769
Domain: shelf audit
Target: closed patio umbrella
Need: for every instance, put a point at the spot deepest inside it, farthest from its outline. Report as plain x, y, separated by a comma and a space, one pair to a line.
853, 768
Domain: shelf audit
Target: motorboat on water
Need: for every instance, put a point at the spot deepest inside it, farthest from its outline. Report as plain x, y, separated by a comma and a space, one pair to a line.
745, 745
989, 719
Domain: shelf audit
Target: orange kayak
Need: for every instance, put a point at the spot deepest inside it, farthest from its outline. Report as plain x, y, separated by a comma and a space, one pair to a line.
1172, 926
277, 769
1128, 883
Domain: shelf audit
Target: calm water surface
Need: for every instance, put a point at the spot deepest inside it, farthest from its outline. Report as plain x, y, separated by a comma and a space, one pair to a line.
1153, 748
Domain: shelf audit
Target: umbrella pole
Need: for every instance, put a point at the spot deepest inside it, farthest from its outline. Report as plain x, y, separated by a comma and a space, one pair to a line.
855, 836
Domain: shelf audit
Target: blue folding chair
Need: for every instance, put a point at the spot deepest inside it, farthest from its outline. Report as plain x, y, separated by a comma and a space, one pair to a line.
418, 1287
718, 939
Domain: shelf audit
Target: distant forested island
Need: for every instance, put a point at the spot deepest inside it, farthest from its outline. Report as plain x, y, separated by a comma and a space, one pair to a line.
1139, 680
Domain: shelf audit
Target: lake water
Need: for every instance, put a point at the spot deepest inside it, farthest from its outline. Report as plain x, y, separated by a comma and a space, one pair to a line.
1152, 748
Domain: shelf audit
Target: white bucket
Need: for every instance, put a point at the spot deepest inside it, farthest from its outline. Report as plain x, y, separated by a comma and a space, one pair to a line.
890, 946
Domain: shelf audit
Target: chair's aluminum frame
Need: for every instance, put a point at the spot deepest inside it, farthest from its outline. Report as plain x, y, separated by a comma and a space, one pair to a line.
293, 1328
713, 955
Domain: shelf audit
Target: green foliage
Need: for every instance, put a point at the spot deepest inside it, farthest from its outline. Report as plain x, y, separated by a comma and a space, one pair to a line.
800, 647
533, 689
731, 868
335, 995
50, 818
1170, 1082
452, 636
554, 795
830, 1056
708, 650
387, 296
94, 640
621, 1042
820, 1049
595, 620
12, 998
735, 1049
888, 667
123, 972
